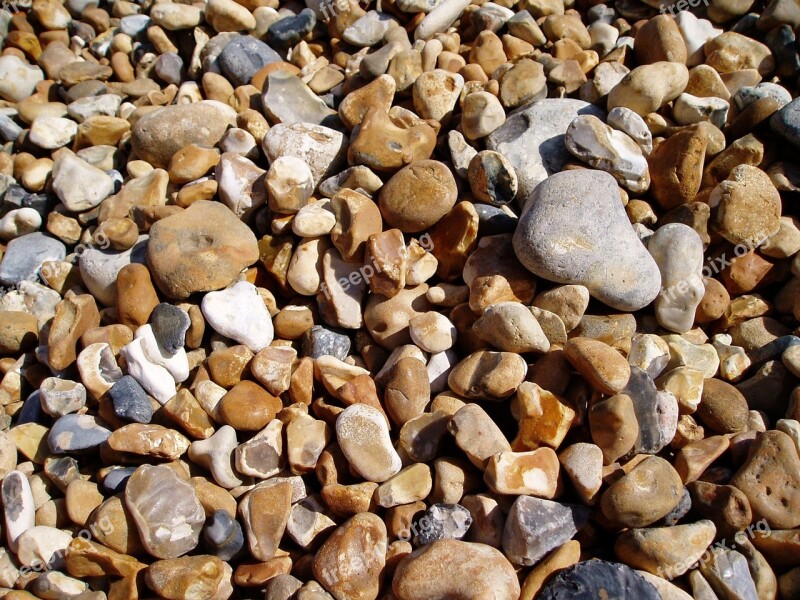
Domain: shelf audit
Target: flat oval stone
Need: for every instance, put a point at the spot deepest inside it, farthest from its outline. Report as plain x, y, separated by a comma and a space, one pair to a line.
73, 433
574, 230
595, 578
158, 135
166, 510
363, 434
24, 257
203, 248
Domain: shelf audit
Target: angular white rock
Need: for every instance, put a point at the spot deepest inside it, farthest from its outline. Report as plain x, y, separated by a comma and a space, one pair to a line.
155, 379
177, 365
239, 313
79, 185
688, 109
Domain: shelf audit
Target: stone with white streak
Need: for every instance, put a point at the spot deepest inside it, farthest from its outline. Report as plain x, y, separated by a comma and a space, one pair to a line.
611, 150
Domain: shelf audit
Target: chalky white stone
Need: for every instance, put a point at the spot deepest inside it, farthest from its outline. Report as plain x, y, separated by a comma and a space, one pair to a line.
43, 546
79, 185
155, 379
53, 132
688, 109
239, 313
363, 436
177, 365
241, 184
18, 222
18, 79
678, 252
215, 455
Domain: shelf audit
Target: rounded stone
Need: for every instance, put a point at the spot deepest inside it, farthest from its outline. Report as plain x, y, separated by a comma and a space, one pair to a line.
418, 196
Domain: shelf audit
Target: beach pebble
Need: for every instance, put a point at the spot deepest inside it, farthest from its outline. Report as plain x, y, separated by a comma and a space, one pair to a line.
159, 501
363, 435
547, 231
602, 147
584, 578
130, 401
678, 252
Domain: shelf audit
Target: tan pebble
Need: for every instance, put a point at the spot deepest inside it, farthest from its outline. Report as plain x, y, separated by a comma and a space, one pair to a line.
602, 366
561, 558
136, 296
544, 418
665, 549
350, 563
644, 495
418, 196
614, 426
248, 407
477, 434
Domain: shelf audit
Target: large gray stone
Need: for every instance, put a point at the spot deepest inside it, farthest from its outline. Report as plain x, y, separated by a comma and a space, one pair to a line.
532, 139
25, 255
574, 230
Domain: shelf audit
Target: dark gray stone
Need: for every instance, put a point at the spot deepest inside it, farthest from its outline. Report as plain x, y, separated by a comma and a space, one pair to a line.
680, 511
244, 57
84, 89
290, 30
535, 526
130, 401
643, 392
493, 220
169, 324
169, 67
786, 122
783, 44
319, 341
25, 255
593, 579
17, 197
600, 13
31, 411
74, 433
223, 535
442, 522
117, 479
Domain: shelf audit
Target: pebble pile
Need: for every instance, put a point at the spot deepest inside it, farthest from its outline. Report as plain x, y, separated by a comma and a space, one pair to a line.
400, 300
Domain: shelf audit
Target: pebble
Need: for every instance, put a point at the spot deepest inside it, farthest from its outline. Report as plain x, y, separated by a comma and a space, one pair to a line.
481, 115
418, 196
536, 526
678, 252
73, 433
215, 455
18, 507
492, 178
443, 522
604, 148
18, 78
208, 230
583, 579
321, 148
648, 87
371, 455
222, 535
158, 135
351, 561
511, 327
644, 495
62, 396
169, 325
239, 313
635, 280
487, 375
305, 105
25, 255
439, 19
166, 511
769, 479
